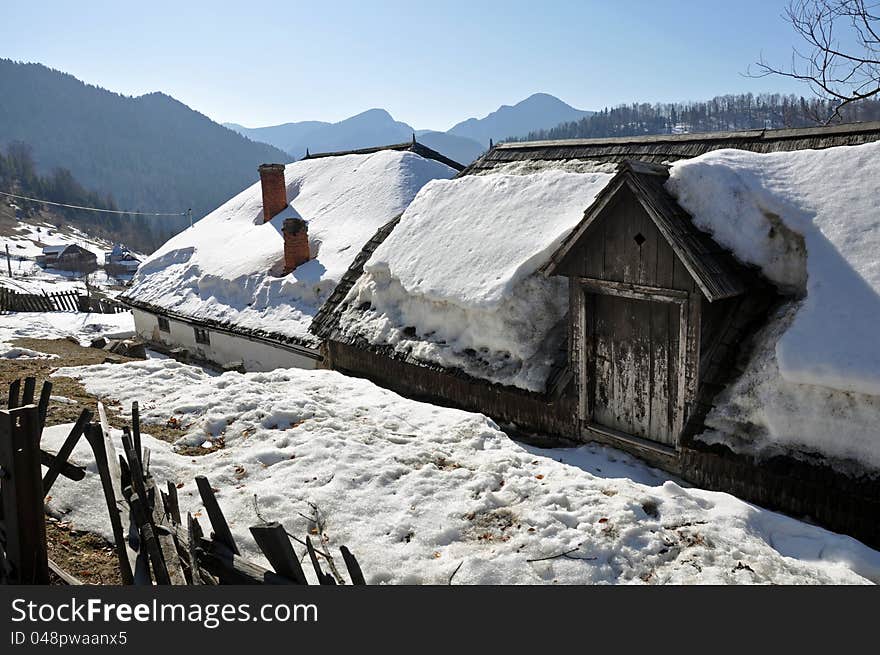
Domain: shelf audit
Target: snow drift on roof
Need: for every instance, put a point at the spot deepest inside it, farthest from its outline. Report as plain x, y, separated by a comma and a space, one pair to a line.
811, 221
455, 282
227, 267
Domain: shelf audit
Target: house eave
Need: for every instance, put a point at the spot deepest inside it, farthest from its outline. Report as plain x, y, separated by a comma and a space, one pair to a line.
284, 342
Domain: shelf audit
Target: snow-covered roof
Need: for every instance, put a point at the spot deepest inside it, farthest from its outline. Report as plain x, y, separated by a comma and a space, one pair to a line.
455, 283
666, 148
811, 221
226, 269
808, 219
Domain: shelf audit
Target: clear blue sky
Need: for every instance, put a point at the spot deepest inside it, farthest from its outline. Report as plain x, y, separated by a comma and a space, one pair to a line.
430, 64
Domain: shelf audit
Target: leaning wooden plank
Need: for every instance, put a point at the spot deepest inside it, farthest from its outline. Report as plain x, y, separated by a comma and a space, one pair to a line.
30, 388
172, 506
64, 575
192, 546
149, 541
272, 539
68, 470
354, 569
165, 535
222, 533
22, 498
136, 426
143, 514
43, 404
110, 449
95, 436
323, 578
14, 389
66, 449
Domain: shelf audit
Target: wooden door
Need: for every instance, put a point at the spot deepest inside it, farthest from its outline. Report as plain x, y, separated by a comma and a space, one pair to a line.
633, 373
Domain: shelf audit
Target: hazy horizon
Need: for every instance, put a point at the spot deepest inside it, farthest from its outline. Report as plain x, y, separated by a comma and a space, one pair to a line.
430, 67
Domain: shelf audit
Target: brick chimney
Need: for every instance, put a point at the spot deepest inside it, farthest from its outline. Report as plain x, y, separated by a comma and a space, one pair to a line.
296, 243
274, 190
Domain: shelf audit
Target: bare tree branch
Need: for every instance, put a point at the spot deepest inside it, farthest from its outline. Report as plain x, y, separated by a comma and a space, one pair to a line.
839, 70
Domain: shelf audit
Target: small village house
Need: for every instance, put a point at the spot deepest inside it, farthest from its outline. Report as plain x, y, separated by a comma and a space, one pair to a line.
240, 288
120, 261
69, 257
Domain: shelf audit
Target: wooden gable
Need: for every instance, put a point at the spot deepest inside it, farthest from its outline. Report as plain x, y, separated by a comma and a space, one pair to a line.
640, 273
636, 233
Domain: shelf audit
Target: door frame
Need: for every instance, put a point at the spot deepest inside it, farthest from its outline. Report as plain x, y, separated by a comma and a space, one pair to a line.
587, 288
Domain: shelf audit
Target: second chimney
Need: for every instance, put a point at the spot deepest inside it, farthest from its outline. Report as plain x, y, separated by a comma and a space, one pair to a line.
274, 190
296, 243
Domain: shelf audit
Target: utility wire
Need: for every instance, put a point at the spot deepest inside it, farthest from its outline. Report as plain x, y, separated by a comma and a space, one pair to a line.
92, 209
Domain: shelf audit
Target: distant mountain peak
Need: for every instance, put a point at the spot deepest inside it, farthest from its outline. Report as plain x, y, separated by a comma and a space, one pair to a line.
536, 112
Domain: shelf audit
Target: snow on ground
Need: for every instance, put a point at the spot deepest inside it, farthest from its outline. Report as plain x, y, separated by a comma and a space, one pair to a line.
415, 490
28, 277
59, 325
228, 266
455, 281
811, 221
30, 236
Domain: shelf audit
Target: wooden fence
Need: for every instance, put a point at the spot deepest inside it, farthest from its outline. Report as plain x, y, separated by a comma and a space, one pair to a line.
61, 301
153, 544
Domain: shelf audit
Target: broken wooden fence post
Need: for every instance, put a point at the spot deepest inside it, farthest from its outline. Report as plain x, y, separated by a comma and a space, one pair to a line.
30, 387
354, 569
24, 520
272, 539
136, 426
143, 514
43, 404
14, 388
323, 578
95, 436
222, 533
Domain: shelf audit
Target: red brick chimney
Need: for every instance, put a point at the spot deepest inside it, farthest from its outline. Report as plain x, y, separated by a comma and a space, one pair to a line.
274, 190
296, 243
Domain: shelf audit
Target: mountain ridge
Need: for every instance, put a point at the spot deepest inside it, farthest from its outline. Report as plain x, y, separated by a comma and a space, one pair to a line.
464, 142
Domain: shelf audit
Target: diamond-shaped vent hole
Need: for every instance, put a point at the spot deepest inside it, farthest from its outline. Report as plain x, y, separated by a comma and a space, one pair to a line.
639, 239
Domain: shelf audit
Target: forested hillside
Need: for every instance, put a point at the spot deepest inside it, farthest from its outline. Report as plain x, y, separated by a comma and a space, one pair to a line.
151, 152
722, 113
19, 176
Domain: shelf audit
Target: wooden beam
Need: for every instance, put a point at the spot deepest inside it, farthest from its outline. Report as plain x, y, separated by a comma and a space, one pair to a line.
65, 450
95, 436
222, 533
43, 404
275, 545
64, 575
634, 291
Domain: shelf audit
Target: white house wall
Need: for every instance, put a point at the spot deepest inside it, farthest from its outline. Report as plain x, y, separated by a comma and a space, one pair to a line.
223, 349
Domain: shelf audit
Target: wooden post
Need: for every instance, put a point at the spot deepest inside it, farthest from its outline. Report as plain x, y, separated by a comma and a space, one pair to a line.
136, 428
43, 405
142, 512
323, 578
222, 533
14, 388
23, 514
354, 569
30, 387
95, 437
275, 544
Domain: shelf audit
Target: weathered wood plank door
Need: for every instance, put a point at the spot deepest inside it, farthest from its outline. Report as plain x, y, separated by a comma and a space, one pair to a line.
635, 366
